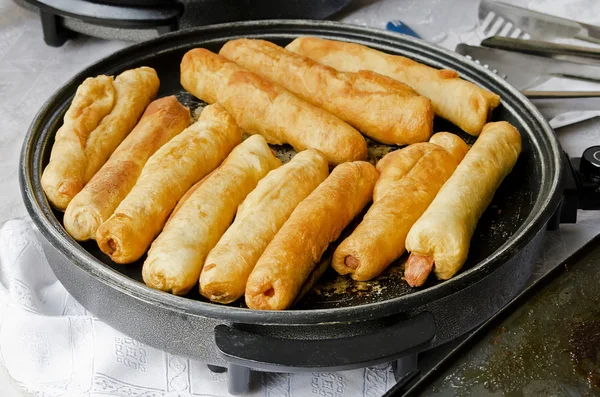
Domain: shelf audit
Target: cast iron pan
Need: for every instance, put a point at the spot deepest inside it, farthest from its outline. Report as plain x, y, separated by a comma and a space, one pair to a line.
520, 209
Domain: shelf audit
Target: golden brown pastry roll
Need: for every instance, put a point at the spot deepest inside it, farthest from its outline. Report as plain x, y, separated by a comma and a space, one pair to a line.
165, 178
452, 143
410, 156
162, 120
101, 115
378, 106
176, 257
298, 246
64, 175
459, 101
261, 107
263, 212
412, 177
440, 238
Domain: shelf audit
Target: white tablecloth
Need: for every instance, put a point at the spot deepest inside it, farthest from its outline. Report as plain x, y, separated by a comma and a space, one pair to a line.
49, 344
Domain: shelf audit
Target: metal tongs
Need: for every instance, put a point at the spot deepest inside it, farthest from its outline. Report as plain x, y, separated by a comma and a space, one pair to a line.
524, 59
524, 71
563, 52
535, 24
518, 48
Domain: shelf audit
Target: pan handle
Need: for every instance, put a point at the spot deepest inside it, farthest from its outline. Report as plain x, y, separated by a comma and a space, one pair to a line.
276, 354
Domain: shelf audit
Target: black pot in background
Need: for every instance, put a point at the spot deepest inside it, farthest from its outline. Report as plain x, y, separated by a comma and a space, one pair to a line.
138, 20
204, 12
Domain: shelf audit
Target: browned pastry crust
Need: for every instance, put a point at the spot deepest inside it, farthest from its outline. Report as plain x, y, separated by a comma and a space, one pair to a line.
162, 120
101, 115
258, 219
378, 106
298, 246
94, 99
176, 257
261, 107
442, 236
410, 179
462, 102
165, 178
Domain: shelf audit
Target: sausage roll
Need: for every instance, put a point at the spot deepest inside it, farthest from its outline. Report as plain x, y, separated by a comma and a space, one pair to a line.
380, 107
412, 177
459, 101
101, 115
261, 107
452, 143
440, 239
176, 257
162, 120
165, 178
298, 246
390, 175
264, 211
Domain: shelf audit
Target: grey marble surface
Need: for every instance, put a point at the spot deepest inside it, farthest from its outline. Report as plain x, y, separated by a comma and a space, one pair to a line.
30, 72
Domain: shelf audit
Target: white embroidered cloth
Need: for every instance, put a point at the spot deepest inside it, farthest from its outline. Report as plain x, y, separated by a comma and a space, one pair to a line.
51, 346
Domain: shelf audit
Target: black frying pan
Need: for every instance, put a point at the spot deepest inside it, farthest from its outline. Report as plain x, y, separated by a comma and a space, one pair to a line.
503, 249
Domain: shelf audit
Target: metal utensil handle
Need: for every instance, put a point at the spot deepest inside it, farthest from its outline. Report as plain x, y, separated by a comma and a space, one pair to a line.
538, 65
581, 70
532, 94
553, 103
276, 354
538, 47
552, 107
592, 33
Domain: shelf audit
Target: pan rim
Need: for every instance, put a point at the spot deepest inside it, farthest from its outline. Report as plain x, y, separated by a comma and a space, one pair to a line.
39, 209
